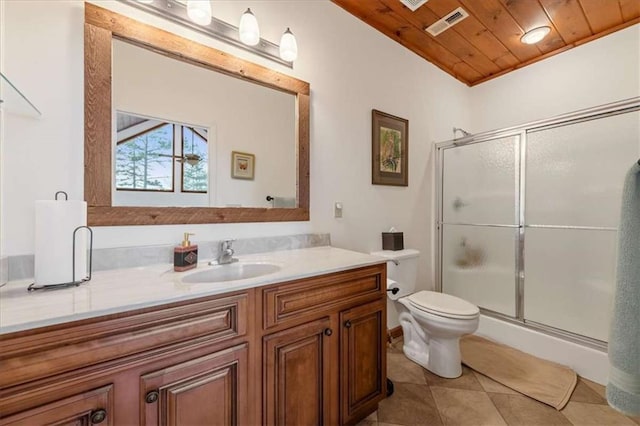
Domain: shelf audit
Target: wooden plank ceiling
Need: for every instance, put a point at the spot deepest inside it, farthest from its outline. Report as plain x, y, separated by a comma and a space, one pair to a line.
487, 44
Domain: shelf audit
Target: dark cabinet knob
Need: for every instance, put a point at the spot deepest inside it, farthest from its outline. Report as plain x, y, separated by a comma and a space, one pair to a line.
347, 324
328, 332
151, 397
98, 416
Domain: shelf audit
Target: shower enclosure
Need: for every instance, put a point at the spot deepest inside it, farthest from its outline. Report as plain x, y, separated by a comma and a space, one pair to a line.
527, 219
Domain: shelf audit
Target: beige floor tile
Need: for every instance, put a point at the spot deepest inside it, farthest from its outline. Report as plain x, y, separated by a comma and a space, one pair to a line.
466, 407
597, 387
371, 420
467, 381
585, 393
519, 410
636, 419
584, 414
401, 369
410, 404
491, 385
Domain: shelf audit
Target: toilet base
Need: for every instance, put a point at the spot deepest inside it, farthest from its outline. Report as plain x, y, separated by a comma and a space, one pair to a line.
445, 363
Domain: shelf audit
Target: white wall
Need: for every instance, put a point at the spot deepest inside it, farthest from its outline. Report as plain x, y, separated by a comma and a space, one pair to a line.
602, 71
351, 68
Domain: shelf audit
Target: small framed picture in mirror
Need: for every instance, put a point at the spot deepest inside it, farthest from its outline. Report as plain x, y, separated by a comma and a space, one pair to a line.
242, 165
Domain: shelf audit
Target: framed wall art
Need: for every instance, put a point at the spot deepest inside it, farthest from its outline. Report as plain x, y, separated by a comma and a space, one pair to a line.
242, 165
389, 149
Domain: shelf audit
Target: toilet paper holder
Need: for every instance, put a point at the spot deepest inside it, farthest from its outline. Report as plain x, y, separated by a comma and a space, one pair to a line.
73, 282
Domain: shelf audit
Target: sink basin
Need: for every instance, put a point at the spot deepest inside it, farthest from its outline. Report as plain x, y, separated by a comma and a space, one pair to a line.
231, 272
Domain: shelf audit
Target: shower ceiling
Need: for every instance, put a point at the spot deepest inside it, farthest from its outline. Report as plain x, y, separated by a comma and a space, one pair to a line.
487, 43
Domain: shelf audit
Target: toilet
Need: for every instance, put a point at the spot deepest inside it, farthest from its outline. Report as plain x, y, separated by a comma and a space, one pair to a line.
432, 323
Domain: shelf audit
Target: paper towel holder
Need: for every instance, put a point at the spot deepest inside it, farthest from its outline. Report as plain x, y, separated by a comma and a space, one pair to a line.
73, 282
66, 196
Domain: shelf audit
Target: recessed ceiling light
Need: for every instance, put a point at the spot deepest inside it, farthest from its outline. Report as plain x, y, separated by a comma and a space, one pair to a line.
535, 35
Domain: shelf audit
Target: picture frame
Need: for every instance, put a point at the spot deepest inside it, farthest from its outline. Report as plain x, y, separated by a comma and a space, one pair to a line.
389, 149
243, 165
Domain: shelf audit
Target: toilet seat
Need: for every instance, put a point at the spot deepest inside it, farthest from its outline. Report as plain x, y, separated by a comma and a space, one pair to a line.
444, 305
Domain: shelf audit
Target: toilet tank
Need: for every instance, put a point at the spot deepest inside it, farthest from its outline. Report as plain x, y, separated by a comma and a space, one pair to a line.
405, 273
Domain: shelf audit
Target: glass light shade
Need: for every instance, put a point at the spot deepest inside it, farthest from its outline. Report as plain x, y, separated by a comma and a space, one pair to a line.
535, 35
248, 29
288, 46
199, 11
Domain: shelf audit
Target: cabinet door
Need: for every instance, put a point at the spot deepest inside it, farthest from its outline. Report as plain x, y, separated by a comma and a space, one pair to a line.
298, 376
209, 390
87, 408
362, 360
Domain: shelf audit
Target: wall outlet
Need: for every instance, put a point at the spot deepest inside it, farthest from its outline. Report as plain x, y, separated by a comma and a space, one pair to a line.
337, 209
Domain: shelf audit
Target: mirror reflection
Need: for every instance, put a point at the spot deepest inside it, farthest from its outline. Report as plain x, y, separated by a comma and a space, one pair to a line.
160, 163
184, 135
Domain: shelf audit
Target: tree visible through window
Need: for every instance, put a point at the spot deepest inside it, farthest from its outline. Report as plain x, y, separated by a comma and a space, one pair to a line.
145, 161
153, 155
194, 177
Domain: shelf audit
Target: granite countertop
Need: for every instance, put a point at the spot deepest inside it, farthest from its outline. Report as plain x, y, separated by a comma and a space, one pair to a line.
121, 290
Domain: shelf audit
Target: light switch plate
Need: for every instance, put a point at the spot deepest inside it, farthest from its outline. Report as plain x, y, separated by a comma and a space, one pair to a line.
337, 209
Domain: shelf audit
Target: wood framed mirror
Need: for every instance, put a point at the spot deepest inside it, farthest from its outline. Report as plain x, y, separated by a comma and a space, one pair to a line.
101, 28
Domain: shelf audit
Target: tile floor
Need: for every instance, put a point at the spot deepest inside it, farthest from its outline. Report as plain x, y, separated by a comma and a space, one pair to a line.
422, 398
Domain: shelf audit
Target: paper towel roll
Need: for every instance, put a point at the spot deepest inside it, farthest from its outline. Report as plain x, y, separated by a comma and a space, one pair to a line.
391, 284
55, 222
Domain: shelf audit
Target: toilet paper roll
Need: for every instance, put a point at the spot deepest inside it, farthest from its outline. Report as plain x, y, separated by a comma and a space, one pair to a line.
55, 222
391, 285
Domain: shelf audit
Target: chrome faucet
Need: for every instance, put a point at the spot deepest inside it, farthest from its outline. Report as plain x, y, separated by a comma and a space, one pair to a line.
225, 256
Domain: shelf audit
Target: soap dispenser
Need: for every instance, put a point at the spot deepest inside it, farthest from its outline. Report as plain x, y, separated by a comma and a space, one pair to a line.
185, 256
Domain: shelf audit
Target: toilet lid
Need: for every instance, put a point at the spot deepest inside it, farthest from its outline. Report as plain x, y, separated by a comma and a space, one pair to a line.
443, 304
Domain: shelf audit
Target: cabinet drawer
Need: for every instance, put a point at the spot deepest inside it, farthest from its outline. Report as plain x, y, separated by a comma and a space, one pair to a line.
87, 408
287, 302
54, 350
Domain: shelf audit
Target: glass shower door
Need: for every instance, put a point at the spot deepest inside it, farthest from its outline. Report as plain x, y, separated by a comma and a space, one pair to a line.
574, 177
480, 222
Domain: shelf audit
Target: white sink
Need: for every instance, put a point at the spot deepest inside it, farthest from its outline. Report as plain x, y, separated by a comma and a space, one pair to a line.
231, 272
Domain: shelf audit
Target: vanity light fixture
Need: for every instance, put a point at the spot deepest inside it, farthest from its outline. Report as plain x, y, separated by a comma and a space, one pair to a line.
248, 29
197, 15
288, 46
535, 35
199, 11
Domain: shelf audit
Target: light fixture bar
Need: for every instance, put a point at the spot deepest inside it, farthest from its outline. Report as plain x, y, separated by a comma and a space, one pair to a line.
176, 11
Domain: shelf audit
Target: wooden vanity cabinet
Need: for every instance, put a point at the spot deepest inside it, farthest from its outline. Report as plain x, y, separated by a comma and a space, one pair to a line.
181, 363
305, 352
324, 351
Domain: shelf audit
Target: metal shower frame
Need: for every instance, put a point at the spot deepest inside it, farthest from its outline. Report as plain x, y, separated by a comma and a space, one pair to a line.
521, 131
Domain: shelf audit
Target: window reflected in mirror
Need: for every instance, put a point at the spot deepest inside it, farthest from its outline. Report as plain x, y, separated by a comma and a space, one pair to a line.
155, 155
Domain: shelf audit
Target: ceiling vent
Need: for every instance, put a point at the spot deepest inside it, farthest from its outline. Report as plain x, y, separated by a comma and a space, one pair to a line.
447, 22
413, 4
